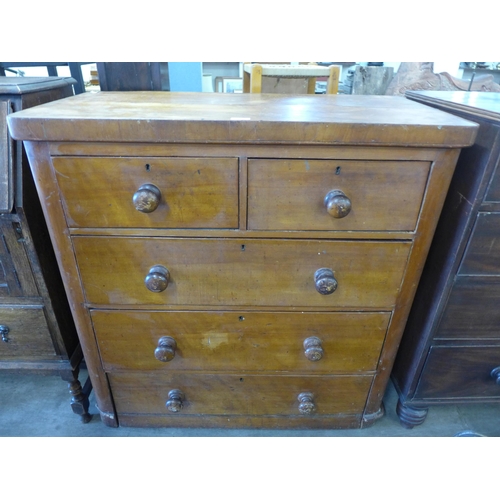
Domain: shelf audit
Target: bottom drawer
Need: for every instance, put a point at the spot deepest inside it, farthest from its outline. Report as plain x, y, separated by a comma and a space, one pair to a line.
25, 334
460, 372
239, 394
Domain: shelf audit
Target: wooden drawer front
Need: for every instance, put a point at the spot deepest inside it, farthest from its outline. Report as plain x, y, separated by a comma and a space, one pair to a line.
195, 192
241, 272
460, 372
230, 341
28, 334
472, 310
483, 252
290, 194
238, 394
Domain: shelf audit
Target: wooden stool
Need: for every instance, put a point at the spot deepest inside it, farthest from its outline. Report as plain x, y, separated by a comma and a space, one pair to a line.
253, 73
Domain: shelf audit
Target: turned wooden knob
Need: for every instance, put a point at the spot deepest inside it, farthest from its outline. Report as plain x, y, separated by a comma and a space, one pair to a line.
306, 403
324, 281
175, 400
495, 374
157, 279
312, 349
166, 349
337, 204
147, 198
4, 331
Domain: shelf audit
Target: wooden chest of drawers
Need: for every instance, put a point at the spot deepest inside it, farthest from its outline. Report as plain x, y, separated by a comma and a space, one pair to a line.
37, 331
240, 260
450, 352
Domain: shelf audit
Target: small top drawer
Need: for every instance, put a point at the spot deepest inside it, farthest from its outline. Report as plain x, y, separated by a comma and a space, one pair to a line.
149, 192
292, 194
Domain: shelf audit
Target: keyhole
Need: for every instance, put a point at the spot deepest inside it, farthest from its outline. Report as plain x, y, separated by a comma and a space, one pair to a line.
337, 171
242, 248
148, 167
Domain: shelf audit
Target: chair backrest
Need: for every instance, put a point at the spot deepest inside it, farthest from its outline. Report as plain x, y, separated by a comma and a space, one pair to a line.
255, 75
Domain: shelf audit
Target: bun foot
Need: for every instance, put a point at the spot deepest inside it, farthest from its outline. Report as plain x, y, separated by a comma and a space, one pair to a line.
410, 417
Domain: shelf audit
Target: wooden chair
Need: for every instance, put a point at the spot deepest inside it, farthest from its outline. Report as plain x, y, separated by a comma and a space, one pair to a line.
253, 74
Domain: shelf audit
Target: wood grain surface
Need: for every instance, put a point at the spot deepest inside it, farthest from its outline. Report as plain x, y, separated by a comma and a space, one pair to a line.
237, 272
249, 341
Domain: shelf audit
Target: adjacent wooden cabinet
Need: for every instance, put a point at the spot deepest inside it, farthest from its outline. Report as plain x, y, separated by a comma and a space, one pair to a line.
450, 352
37, 329
240, 260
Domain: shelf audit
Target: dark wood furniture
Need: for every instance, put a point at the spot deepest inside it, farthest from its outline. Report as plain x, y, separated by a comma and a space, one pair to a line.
75, 69
36, 326
239, 260
450, 352
127, 76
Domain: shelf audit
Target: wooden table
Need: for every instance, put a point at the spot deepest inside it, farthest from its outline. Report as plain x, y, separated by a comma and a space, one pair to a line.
450, 351
239, 260
36, 326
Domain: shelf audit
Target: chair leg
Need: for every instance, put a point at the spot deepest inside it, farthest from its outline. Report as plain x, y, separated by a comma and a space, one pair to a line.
52, 70
311, 85
332, 86
76, 72
256, 79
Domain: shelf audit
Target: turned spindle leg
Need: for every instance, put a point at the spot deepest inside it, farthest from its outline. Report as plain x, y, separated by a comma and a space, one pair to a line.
79, 395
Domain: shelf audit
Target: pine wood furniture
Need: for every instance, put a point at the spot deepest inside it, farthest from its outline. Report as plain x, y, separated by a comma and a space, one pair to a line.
36, 326
238, 260
450, 352
305, 75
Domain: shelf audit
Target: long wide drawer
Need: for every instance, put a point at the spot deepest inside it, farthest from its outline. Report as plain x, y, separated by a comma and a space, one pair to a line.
239, 394
460, 372
239, 272
290, 194
249, 341
191, 192
472, 310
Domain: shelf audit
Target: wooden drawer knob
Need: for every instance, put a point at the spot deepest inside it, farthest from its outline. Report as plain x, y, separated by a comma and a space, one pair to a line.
306, 403
312, 349
175, 400
495, 374
324, 281
4, 331
157, 279
337, 204
147, 198
166, 349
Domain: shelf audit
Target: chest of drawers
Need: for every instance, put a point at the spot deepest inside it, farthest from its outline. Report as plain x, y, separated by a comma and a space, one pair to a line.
37, 331
450, 352
240, 260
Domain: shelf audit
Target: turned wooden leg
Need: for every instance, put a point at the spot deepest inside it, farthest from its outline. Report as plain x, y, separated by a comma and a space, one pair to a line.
408, 416
79, 396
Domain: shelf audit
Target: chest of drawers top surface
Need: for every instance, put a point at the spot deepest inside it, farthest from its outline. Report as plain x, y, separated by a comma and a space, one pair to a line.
241, 118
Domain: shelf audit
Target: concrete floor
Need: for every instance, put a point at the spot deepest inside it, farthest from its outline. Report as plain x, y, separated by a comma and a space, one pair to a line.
34, 405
